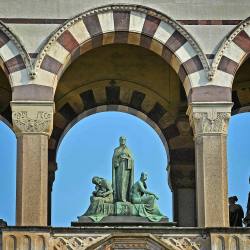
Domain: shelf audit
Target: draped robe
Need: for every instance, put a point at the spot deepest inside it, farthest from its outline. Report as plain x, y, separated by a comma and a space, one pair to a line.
122, 173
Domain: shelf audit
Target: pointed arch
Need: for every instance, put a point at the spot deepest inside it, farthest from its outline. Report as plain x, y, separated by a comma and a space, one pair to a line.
14, 59
130, 24
232, 53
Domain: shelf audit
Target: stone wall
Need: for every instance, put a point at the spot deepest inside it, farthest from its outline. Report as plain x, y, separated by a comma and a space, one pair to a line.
157, 238
34, 21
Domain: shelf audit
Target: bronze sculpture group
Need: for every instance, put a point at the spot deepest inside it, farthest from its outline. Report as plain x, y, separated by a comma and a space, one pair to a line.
123, 197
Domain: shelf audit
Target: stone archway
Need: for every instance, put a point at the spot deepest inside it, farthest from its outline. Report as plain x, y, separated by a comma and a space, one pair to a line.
123, 24
232, 53
148, 89
14, 59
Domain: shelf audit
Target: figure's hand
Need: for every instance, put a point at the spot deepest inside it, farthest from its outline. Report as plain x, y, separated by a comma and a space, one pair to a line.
156, 197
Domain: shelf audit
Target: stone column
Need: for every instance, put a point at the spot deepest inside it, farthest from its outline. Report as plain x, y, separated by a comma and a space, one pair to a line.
209, 122
51, 179
182, 184
32, 123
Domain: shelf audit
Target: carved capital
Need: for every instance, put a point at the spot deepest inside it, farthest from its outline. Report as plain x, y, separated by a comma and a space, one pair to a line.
209, 118
32, 117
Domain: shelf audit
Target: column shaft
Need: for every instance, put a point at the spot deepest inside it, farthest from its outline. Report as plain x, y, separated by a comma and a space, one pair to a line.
32, 180
211, 181
33, 123
210, 122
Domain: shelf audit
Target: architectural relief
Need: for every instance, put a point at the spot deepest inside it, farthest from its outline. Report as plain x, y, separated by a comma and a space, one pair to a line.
209, 120
180, 243
28, 119
29, 125
74, 243
209, 123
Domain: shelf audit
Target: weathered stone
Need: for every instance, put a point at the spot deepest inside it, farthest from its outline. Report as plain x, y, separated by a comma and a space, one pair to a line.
209, 122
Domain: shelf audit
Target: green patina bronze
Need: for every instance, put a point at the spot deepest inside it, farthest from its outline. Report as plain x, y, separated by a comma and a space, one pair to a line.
122, 171
145, 201
101, 201
123, 197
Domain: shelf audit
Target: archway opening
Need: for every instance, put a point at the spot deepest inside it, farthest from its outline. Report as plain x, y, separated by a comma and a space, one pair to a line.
8, 173
239, 136
7, 154
135, 80
87, 150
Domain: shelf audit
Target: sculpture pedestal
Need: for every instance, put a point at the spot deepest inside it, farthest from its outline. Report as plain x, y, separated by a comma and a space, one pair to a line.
84, 221
124, 208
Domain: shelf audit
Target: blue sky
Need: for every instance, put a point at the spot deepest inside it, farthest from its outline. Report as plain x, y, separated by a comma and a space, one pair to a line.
87, 149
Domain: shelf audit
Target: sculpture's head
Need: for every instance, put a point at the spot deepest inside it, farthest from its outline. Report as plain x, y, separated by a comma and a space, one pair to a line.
233, 199
122, 140
144, 176
96, 180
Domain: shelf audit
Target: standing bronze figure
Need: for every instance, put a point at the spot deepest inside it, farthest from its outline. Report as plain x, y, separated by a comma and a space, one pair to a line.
236, 212
122, 172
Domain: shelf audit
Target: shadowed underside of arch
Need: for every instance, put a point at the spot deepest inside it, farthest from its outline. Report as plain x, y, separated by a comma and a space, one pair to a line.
121, 24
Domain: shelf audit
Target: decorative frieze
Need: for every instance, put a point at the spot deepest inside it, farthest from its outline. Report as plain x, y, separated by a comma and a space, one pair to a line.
76, 243
209, 118
180, 243
32, 117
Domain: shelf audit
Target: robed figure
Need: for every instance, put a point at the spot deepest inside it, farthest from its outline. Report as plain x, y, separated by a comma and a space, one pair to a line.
122, 172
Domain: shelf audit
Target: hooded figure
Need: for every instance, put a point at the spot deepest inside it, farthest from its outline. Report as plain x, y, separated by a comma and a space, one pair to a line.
236, 212
122, 172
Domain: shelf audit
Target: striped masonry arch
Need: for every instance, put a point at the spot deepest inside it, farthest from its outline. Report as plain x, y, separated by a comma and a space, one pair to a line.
14, 59
233, 52
171, 137
130, 24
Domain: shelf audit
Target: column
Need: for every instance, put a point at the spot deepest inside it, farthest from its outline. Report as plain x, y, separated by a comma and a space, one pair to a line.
51, 179
182, 183
209, 122
32, 123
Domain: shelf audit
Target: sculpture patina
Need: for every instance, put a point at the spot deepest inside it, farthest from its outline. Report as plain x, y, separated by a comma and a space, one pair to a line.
122, 171
123, 197
101, 201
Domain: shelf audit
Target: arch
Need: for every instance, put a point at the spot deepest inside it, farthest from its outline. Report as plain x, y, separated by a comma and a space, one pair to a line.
118, 108
14, 59
131, 24
232, 53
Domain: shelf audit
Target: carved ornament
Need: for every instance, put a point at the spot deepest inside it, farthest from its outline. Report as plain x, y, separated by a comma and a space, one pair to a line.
32, 118
74, 243
180, 243
209, 118
205, 123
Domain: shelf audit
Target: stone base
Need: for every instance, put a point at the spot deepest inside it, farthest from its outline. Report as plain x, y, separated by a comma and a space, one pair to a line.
121, 221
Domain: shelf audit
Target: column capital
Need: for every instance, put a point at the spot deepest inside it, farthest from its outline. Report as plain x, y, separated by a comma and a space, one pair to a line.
209, 118
32, 117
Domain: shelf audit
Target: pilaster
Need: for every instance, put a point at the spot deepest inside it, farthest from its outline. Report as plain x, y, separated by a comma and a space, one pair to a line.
210, 122
32, 123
